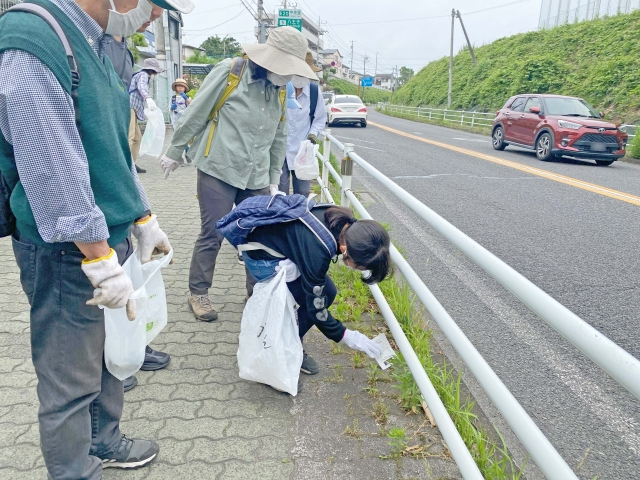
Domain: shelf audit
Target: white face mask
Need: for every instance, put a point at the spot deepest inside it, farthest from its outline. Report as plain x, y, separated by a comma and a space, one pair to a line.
126, 24
299, 82
279, 80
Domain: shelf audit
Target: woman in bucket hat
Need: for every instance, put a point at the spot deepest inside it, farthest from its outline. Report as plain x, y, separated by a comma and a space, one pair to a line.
179, 101
244, 156
139, 98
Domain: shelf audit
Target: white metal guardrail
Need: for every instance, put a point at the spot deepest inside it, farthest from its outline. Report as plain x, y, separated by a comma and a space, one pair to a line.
618, 363
459, 117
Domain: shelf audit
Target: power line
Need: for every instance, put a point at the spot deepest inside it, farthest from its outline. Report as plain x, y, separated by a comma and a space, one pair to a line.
216, 26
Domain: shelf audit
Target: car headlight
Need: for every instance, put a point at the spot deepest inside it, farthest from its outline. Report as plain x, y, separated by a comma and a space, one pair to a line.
565, 124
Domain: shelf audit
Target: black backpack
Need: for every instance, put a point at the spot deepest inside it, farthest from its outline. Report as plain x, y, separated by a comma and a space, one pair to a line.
7, 219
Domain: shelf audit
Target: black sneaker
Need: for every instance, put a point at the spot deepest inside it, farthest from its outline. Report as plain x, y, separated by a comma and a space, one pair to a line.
240, 259
129, 383
154, 360
140, 169
309, 365
132, 453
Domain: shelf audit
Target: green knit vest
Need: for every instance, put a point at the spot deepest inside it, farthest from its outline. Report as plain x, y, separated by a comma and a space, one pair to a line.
104, 121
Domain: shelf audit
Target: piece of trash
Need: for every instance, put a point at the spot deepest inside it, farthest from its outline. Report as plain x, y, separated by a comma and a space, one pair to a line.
386, 352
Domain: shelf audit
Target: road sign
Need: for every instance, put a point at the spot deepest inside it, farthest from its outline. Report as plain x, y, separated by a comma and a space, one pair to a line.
290, 13
366, 82
290, 22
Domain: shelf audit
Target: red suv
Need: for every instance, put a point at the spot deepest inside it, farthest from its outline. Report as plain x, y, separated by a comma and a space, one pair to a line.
554, 126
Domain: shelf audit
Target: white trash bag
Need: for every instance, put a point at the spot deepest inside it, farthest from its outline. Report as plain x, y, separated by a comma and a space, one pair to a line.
153, 138
306, 163
126, 340
270, 349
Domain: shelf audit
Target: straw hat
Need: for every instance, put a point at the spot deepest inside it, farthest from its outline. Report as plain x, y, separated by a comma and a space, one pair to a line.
182, 6
180, 81
152, 64
310, 62
284, 53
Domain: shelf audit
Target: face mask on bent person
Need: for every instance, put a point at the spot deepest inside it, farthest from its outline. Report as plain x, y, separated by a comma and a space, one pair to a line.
299, 82
126, 24
279, 80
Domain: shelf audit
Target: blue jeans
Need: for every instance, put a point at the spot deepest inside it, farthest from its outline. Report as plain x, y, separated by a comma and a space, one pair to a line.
80, 401
261, 270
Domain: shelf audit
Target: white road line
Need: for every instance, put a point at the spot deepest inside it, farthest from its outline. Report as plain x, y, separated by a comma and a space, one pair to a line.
471, 140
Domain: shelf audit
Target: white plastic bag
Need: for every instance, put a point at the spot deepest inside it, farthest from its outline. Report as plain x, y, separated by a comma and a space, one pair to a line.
306, 164
270, 350
153, 138
126, 340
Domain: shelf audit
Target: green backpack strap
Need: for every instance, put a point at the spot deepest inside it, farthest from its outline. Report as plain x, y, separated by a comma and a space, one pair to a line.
233, 80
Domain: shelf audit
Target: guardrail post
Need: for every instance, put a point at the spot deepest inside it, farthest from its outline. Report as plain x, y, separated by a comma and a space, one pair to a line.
326, 160
473, 118
346, 172
444, 116
418, 114
462, 118
430, 112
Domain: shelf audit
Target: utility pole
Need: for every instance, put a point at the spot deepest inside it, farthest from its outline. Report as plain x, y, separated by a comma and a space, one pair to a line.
453, 19
351, 67
473, 56
375, 72
261, 26
365, 65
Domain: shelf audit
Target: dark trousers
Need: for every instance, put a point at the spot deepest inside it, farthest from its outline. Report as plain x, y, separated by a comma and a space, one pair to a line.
216, 199
305, 322
80, 401
303, 187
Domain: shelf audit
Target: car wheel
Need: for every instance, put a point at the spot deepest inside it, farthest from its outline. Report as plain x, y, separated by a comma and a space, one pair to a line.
604, 163
543, 147
363, 124
498, 139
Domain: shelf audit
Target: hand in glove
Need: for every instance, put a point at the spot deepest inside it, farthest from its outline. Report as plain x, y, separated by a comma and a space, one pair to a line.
151, 105
312, 138
106, 274
357, 341
174, 106
290, 267
151, 239
168, 165
273, 189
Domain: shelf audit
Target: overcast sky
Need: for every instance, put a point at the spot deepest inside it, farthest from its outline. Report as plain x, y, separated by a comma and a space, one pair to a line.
412, 43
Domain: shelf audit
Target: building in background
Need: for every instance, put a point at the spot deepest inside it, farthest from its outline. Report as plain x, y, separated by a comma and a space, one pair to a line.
5, 4
558, 12
384, 80
189, 51
331, 59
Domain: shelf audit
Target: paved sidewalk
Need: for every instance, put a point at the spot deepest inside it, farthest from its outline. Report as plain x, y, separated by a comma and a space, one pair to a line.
209, 423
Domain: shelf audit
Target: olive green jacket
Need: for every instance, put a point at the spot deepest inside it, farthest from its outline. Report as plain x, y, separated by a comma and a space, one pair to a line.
250, 139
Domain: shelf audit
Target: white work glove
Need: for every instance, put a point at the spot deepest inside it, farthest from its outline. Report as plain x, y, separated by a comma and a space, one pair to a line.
168, 165
273, 189
115, 288
151, 239
290, 267
357, 341
151, 105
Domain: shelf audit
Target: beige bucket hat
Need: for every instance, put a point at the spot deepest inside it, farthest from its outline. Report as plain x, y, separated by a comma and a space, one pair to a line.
180, 81
152, 64
311, 63
284, 53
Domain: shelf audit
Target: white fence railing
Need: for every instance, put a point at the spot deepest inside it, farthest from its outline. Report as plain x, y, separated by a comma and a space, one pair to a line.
615, 361
459, 117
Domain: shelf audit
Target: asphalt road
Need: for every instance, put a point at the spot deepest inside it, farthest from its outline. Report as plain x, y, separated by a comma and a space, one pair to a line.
579, 246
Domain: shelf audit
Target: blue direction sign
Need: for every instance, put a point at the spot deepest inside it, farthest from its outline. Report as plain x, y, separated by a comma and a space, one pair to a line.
366, 82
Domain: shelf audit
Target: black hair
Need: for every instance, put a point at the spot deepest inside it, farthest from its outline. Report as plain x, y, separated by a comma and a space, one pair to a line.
149, 72
257, 72
366, 240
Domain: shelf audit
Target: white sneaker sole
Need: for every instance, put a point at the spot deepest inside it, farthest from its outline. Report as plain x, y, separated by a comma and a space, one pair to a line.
128, 465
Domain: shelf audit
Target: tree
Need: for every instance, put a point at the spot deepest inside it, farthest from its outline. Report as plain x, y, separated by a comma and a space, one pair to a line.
217, 47
202, 58
406, 74
137, 40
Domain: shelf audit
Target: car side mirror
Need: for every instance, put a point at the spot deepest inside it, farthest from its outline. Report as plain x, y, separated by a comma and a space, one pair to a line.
601, 114
535, 110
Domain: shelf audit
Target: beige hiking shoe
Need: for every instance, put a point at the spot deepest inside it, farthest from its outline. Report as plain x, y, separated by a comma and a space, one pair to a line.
202, 308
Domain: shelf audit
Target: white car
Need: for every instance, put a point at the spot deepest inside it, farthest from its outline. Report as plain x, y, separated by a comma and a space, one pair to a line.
347, 109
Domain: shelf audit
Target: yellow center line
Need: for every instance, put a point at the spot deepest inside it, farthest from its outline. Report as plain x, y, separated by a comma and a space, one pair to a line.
574, 182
